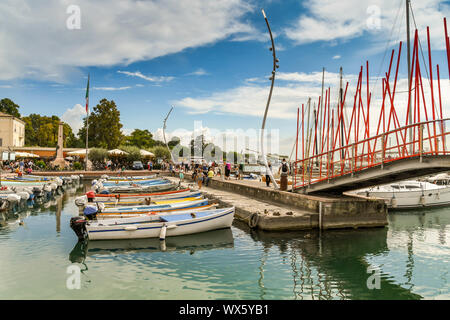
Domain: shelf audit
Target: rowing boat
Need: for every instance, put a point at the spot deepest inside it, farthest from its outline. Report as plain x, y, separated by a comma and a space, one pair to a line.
168, 225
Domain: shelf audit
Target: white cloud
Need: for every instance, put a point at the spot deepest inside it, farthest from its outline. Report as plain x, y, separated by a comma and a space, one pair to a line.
198, 72
138, 74
336, 57
74, 117
40, 46
329, 20
111, 88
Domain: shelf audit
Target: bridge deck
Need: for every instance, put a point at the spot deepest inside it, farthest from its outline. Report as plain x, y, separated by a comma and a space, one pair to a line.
398, 170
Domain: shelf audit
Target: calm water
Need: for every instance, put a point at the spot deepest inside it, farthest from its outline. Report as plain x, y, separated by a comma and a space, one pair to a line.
412, 256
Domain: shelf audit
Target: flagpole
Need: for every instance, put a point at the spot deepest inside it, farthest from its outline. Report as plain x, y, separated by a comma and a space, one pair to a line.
87, 124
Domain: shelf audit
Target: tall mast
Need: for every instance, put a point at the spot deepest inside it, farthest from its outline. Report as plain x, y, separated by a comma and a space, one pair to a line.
408, 43
164, 135
87, 124
341, 93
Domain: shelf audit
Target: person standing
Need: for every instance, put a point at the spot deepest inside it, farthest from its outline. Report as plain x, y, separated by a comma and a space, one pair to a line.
227, 171
268, 169
210, 176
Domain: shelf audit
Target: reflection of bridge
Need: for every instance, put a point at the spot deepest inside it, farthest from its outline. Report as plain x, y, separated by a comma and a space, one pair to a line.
340, 152
333, 265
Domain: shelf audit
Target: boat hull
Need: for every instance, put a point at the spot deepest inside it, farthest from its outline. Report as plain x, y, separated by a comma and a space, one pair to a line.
153, 229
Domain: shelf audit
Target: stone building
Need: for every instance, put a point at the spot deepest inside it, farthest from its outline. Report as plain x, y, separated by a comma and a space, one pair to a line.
12, 131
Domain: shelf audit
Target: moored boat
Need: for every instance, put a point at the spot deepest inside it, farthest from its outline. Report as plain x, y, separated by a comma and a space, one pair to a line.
168, 225
409, 194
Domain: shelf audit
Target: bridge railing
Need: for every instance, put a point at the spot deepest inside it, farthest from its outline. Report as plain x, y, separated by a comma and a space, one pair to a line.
428, 138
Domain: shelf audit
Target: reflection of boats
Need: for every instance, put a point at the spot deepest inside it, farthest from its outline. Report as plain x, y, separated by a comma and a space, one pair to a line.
409, 194
216, 239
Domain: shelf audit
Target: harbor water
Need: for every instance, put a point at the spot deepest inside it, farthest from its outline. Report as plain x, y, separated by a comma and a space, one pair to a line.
409, 259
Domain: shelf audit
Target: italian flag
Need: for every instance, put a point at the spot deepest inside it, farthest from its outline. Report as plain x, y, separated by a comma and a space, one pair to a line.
87, 95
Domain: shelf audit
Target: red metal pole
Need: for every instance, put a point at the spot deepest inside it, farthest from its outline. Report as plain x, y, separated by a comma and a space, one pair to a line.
447, 45
440, 106
432, 92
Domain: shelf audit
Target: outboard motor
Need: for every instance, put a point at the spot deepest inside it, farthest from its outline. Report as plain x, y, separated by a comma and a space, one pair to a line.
78, 225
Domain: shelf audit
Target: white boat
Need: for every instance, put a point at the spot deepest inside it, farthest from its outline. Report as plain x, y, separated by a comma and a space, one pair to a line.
168, 225
409, 194
153, 208
118, 201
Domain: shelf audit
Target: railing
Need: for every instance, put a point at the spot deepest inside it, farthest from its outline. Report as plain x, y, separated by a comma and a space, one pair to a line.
372, 152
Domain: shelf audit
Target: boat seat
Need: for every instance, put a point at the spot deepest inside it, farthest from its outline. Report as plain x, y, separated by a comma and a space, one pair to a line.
184, 216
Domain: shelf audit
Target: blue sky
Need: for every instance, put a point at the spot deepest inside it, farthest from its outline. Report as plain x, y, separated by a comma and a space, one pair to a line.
210, 60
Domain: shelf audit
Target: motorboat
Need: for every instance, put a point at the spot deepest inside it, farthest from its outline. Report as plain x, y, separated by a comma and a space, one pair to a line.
162, 226
409, 194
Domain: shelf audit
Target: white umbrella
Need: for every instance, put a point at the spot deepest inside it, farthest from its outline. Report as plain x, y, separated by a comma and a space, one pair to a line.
146, 153
81, 152
26, 155
117, 152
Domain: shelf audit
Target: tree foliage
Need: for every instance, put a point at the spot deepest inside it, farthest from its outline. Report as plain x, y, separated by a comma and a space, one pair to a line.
140, 138
104, 126
43, 131
98, 155
134, 153
9, 107
161, 152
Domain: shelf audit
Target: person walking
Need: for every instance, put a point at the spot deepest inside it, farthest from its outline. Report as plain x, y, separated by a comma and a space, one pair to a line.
199, 178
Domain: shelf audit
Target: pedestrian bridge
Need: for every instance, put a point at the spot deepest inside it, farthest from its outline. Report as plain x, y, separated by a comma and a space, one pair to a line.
372, 161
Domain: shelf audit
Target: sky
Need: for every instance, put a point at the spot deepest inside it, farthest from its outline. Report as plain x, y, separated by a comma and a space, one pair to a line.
207, 59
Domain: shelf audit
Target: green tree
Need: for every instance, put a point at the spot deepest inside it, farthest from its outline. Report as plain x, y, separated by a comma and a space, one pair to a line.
9, 107
43, 131
161, 152
134, 153
98, 155
104, 126
173, 142
140, 138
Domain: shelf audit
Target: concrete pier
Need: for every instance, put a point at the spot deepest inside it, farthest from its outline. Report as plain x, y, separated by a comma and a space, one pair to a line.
268, 209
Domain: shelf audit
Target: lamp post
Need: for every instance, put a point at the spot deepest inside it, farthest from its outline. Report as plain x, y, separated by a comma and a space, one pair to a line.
272, 78
164, 134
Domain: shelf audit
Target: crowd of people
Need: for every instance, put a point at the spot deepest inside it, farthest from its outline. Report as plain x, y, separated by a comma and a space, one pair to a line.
19, 166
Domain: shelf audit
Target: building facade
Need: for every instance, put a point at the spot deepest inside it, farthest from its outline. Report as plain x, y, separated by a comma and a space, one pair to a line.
12, 131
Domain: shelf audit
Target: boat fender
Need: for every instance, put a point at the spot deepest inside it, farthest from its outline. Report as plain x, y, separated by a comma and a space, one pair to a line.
148, 201
422, 200
193, 215
13, 198
23, 195
130, 228
163, 245
162, 234
253, 221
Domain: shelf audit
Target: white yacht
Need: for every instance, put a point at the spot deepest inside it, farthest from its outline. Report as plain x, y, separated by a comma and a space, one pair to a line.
412, 193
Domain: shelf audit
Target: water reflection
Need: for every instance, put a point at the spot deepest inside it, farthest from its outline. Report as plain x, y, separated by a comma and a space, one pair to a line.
216, 239
332, 264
